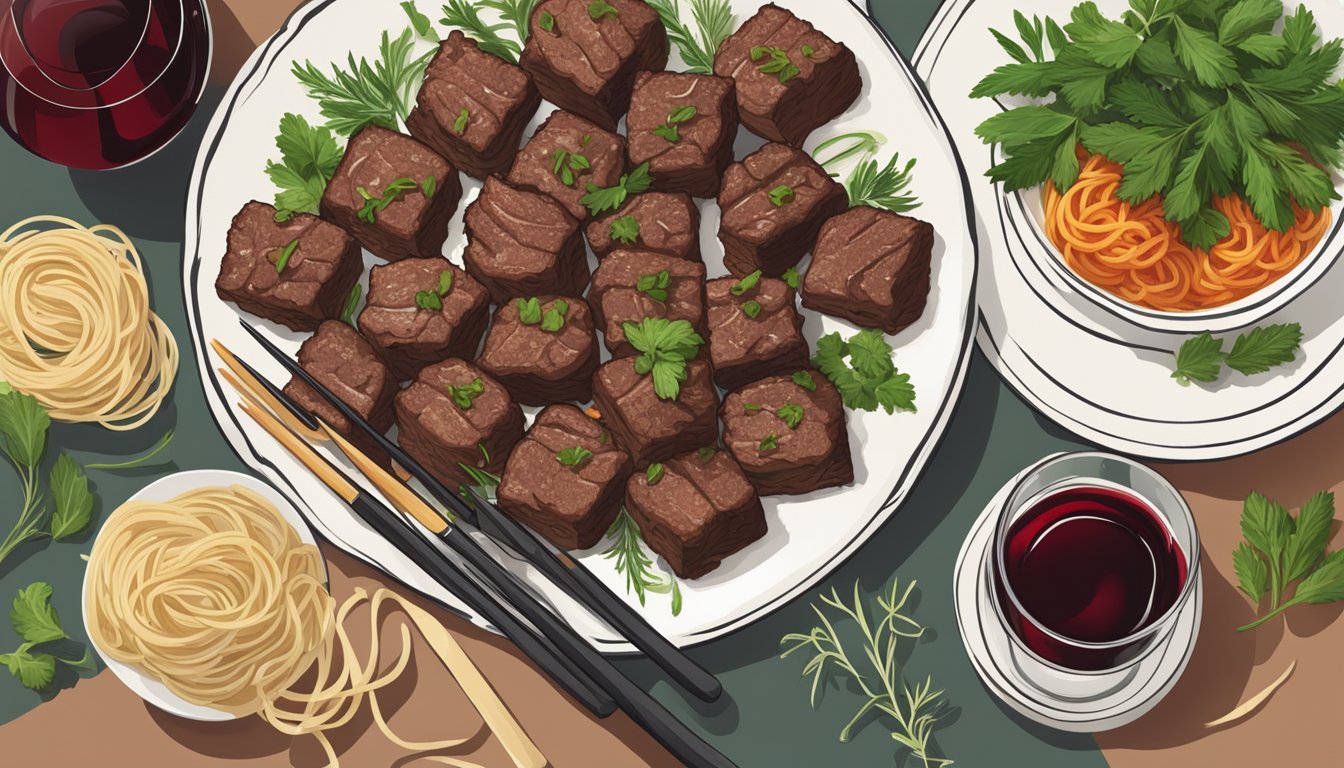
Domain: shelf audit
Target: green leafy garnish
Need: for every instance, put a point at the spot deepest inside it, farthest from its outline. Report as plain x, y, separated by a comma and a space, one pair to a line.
429, 186
1195, 99
665, 346
781, 195
554, 318
445, 282
668, 130
808, 51
654, 285
601, 199
654, 473
1279, 550
914, 709
381, 93
706, 453
804, 379
480, 477
599, 9
769, 443
1201, 357
464, 15
547, 21
373, 205
309, 157
460, 124
751, 309
746, 283
432, 300
863, 143
163, 444
882, 187
529, 311
774, 61
713, 21
627, 553
791, 278
282, 260
23, 439
625, 229
868, 378
464, 395
566, 164
35, 620
352, 300
73, 502
574, 457
419, 21
791, 414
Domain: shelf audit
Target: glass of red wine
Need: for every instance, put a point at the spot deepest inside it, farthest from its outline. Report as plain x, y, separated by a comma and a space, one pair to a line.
1094, 557
97, 84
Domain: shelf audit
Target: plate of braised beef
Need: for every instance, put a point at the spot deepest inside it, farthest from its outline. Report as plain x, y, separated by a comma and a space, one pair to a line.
685, 286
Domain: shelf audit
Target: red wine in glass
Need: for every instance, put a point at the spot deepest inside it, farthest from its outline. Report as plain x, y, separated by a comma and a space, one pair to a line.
99, 84
1089, 567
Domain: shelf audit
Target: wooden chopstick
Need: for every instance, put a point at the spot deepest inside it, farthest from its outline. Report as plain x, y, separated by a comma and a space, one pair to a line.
246, 383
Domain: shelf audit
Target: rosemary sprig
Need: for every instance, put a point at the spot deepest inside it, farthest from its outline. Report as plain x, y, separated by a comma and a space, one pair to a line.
713, 21
627, 551
517, 11
882, 187
378, 93
464, 15
915, 709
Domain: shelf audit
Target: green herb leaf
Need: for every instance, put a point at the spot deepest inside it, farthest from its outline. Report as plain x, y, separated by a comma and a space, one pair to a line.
309, 157
574, 457
529, 311
352, 300
664, 346
464, 395
33, 616
774, 61
599, 9
752, 407
375, 204
781, 195
1306, 544
24, 424
881, 187
868, 378
896, 394
1265, 524
546, 21
769, 443
554, 319
429, 186
445, 282
460, 124
625, 229
599, 199
423, 26
630, 559
668, 132
751, 309
791, 278
1324, 585
706, 453
804, 379
33, 671
282, 260
654, 473
73, 500
1263, 348
378, 93
808, 51
466, 16
791, 414
655, 285
746, 284
1200, 358
428, 300
1252, 574
1212, 64
714, 22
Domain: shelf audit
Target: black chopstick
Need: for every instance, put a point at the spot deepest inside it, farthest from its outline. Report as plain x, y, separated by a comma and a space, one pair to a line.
566, 572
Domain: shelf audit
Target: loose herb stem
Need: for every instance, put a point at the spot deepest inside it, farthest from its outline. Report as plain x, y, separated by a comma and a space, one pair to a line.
131, 464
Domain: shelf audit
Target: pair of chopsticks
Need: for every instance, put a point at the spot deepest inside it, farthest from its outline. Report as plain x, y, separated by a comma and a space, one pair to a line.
574, 651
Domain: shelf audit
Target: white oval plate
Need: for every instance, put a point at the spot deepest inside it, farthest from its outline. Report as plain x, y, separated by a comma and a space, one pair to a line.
1086, 369
808, 535
163, 489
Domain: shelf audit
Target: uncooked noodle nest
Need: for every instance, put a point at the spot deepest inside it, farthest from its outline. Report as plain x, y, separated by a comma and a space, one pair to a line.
214, 594
76, 328
1133, 252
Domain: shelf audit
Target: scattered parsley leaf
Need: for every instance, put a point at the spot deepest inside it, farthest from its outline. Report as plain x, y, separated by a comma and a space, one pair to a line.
774, 61
654, 473
464, 395
751, 309
781, 195
554, 318
808, 51
1263, 348
423, 26
746, 284
863, 372
655, 285
804, 379
791, 414
445, 282
567, 164
668, 130
599, 9
529, 311
373, 205
73, 508
769, 443
752, 407
351, 306
309, 157
574, 457
625, 229
429, 186
1200, 358
282, 260
791, 278
706, 453
599, 199
547, 21
665, 346
33, 616
428, 300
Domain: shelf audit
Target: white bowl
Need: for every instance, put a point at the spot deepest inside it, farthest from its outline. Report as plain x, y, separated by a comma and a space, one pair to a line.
1024, 215
146, 687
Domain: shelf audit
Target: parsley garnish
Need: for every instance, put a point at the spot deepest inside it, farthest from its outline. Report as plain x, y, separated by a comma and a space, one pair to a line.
654, 285
24, 424
351, 305
375, 205
776, 62
769, 443
781, 195
464, 15
546, 21
381, 93
751, 309
429, 186
706, 453
746, 283
654, 473
282, 260
665, 346
574, 457
791, 414
309, 157
791, 278
669, 130
554, 319
713, 21
433, 300
868, 378
35, 620
601, 199
1194, 100
1201, 357
625, 229
464, 395
529, 311
1280, 549
752, 407
598, 9
804, 379
567, 163
808, 51
460, 124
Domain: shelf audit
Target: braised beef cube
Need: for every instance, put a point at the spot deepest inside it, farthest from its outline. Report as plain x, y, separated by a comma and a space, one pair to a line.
473, 107
683, 126
421, 311
629, 286
773, 204
791, 78
523, 243
564, 156
583, 56
664, 222
394, 194
649, 427
344, 362
543, 350
872, 268
565, 479
754, 330
296, 272
695, 509
455, 415
789, 436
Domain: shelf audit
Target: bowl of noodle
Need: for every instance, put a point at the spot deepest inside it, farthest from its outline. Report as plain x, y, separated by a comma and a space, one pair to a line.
1131, 261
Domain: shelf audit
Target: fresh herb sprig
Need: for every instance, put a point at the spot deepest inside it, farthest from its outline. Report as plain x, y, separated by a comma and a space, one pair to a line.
862, 370
432, 299
481, 479
34, 619
1201, 358
419, 21
516, 12
870, 183
466, 16
464, 395
915, 710
351, 307
1279, 550
774, 61
670, 129
654, 285
625, 229
1194, 98
714, 22
309, 156
378, 93
376, 204
574, 457
665, 347
601, 199
630, 559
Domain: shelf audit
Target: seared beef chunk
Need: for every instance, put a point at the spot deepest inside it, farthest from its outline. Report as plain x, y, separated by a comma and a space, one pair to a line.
789, 437
473, 107
453, 414
872, 268
650, 428
754, 330
683, 126
296, 273
421, 311
791, 79
695, 509
583, 57
564, 156
343, 362
565, 478
773, 203
543, 350
523, 243
665, 222
394, 194
629, 286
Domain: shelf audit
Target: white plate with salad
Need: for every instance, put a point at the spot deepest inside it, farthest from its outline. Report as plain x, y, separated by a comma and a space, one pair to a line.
808, 535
